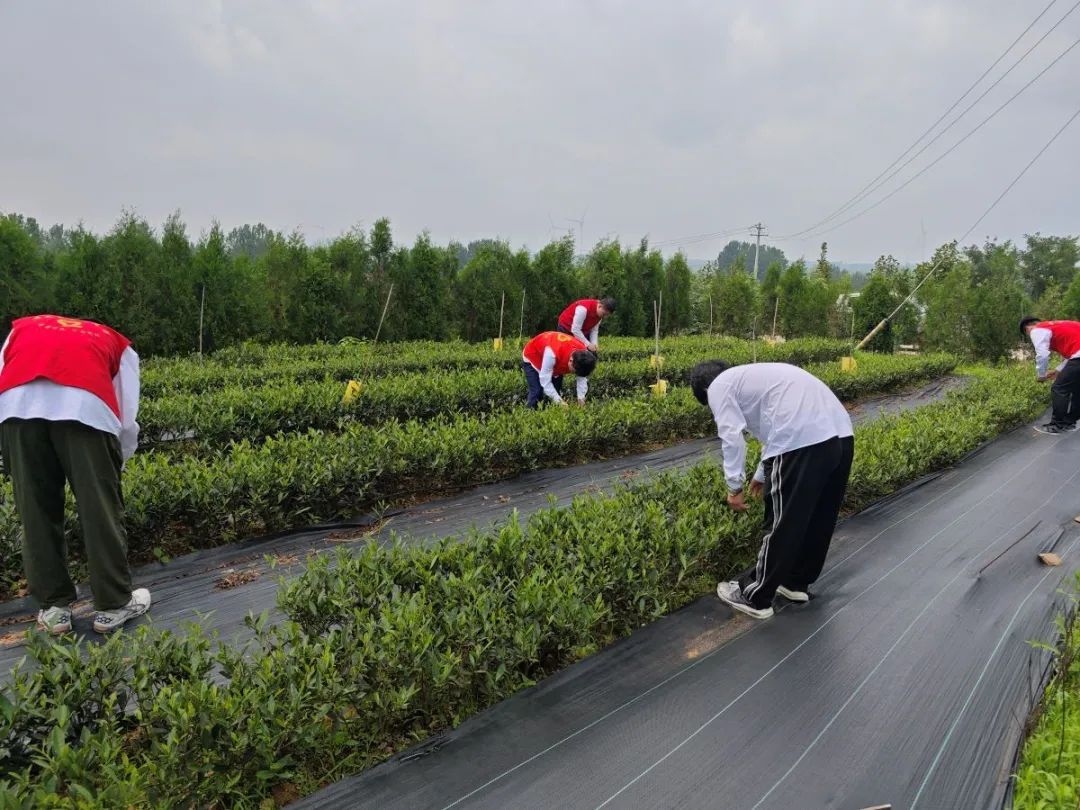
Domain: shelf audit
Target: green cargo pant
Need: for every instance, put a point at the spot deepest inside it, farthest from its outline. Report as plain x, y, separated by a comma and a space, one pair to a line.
39, 456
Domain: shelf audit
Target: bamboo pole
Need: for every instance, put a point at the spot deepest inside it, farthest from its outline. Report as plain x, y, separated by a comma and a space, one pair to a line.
521, 325
202, 311
386, 306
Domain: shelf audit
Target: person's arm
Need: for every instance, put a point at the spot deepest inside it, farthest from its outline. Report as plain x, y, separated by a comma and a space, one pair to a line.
582, 388
546, 367
1040, 339
126, 385
578, 324
3, 350
730, 424
594, 336
759, 473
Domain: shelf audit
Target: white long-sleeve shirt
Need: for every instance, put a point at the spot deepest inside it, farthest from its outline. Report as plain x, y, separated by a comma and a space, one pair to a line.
579, 323
44, 399
547, 367
782, 406
1040, 339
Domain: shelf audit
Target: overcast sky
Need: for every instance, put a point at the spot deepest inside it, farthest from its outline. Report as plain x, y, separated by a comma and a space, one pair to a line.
474, 119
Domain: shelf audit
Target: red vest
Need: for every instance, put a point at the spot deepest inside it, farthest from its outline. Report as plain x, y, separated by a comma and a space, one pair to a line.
563, 345
67, 351
1064, 336
592, 317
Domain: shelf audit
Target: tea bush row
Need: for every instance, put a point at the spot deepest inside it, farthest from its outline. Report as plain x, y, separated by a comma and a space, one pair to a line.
233, 413
180, 503
390, 644
163, 377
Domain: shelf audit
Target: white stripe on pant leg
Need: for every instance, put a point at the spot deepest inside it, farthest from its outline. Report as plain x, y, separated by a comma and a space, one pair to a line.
778, 510
749, 589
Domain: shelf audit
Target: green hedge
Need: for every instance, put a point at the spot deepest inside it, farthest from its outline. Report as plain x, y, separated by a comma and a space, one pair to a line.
233, 413
178, 503
161, 378
391, 644
1049, 774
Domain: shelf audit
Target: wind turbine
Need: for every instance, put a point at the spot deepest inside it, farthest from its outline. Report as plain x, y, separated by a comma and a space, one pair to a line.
581, 226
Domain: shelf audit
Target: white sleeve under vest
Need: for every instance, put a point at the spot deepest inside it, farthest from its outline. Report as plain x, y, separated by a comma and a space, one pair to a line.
126, 385
579, 323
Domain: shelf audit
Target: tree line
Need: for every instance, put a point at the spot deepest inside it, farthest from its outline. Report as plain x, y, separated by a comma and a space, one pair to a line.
253, 283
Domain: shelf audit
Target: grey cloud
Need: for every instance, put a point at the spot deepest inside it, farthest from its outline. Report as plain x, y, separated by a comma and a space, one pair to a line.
473, 118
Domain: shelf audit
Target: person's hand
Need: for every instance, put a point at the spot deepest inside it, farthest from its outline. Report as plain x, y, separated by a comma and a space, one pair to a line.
757, 488
1049, 376
563, 403
593, 347
736, 502
581, 403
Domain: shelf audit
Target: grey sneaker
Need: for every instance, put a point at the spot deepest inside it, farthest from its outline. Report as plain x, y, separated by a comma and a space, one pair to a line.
731, 594
793, 595
1055, 430
55, 620
108, 620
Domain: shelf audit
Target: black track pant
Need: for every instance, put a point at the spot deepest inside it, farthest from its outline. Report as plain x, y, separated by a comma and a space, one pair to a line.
1065, 395
804, 489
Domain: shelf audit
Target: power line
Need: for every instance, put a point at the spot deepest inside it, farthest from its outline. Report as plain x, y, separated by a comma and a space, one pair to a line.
974, 225
968, 109
1016, 179
946, 153
875, 184
704, 237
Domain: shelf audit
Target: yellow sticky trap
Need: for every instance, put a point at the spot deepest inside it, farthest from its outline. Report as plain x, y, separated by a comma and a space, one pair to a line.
659, 388
848, 364
352, 391
497, 344
656, 361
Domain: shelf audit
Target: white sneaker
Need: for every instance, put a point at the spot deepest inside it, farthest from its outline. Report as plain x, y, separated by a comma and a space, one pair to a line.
108, 620
55, 621
793, 596
731, 594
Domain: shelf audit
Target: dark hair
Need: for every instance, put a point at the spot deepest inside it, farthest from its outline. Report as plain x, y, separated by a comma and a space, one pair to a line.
584, 362
702, 376
1024, 322
608, 303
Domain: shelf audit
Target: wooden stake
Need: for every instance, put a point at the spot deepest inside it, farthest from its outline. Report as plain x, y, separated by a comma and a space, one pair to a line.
383, 317
656, 318
710, 314
1048, 555
502, 309
521, 326
202, 310
775, 312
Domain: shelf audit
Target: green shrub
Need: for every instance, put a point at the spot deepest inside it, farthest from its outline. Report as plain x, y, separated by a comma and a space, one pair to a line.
1049, 774
385, 646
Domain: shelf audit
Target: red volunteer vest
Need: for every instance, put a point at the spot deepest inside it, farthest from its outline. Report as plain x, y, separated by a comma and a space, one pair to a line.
1064, 336
592, 317
67, 351
563, 345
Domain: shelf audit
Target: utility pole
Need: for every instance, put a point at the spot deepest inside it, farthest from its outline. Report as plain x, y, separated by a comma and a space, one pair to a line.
757, 247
